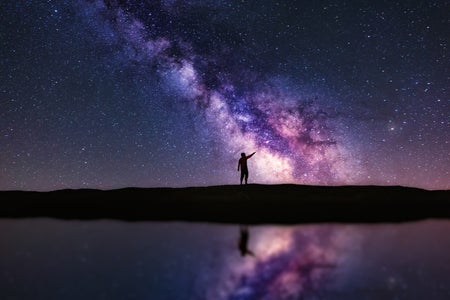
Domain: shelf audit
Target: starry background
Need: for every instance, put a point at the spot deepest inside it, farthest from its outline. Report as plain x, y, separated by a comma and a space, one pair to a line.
109, 94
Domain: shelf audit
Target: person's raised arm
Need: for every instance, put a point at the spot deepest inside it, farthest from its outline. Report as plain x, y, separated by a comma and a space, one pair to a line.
251, 155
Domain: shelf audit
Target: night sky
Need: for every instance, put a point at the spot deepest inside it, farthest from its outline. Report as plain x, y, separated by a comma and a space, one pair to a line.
110, 94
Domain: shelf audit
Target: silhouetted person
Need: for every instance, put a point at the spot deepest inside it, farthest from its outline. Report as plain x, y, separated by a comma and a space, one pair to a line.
243, 242
242, 164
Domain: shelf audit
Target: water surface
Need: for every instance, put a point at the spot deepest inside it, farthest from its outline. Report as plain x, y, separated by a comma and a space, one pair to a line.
53, 259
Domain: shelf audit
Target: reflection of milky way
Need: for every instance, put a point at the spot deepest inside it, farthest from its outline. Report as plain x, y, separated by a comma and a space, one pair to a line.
289, 264
293, 136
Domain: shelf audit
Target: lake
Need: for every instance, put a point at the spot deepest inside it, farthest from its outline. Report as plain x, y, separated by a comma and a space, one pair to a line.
55, 259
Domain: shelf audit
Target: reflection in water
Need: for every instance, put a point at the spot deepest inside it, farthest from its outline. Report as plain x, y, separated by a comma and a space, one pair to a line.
49, 259
243, 242
292, 262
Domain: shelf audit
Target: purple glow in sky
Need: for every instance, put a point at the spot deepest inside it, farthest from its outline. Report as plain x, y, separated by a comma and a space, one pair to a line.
108, 94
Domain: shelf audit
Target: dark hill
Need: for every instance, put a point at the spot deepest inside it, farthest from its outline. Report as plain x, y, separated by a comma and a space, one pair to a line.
252, 204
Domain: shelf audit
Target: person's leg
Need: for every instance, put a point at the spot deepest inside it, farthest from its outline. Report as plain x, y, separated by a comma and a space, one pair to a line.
242, 176
246, 177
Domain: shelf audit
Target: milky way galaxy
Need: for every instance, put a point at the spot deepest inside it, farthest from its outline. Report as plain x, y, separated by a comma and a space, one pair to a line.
108, 94
289, 132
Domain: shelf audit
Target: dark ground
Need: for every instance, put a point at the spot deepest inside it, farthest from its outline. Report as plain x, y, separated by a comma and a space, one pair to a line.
251, 204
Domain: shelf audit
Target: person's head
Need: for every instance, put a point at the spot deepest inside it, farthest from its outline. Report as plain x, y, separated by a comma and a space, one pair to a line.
243, 154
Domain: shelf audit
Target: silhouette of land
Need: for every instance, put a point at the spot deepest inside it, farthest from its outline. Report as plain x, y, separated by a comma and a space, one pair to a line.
234, 204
